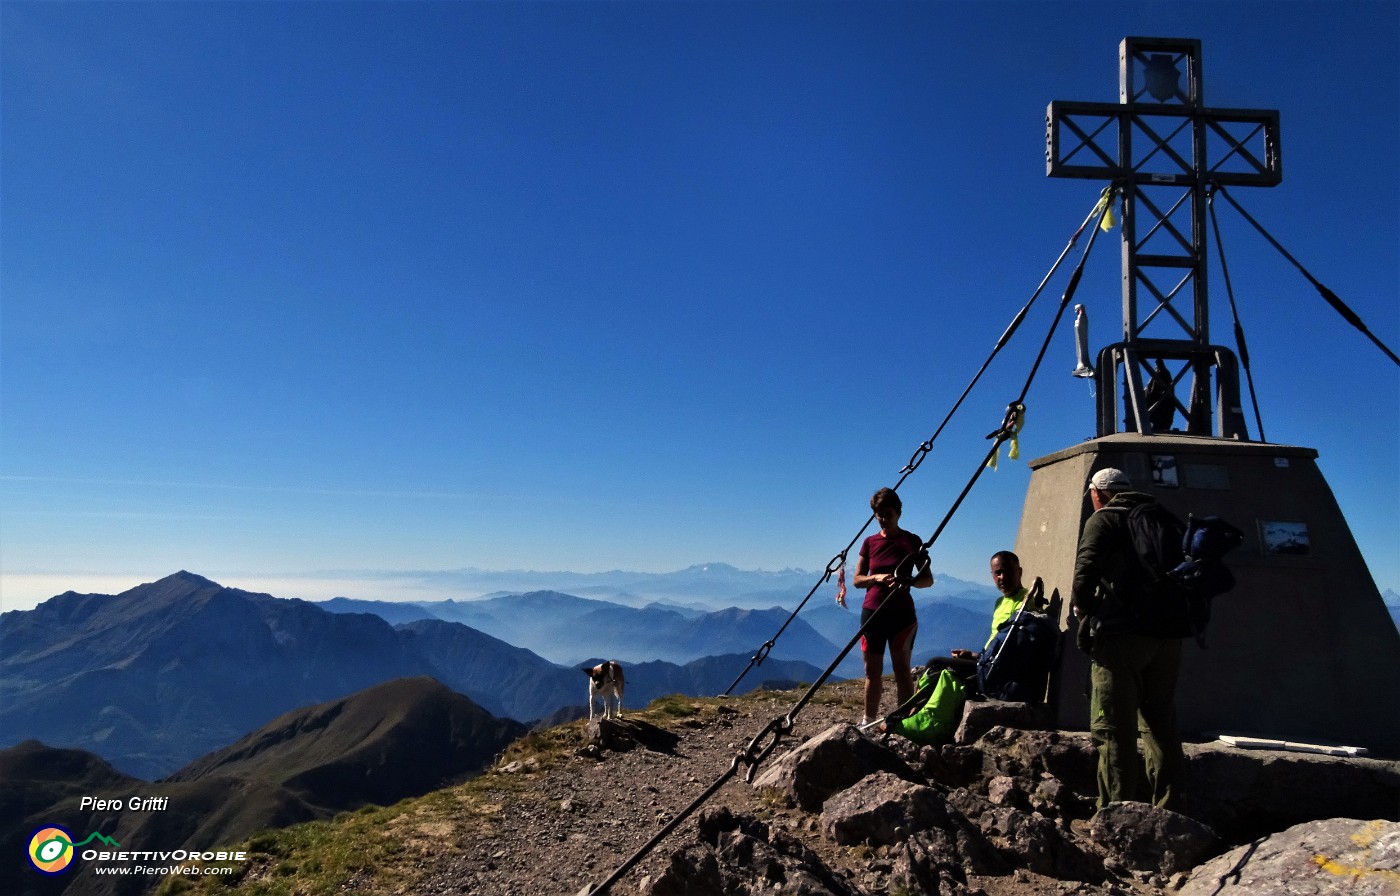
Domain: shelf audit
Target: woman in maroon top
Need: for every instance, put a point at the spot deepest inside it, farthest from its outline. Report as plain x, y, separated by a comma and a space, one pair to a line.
896, 624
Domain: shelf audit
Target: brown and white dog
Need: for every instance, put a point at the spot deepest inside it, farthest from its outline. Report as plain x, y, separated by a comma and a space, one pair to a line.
605, 682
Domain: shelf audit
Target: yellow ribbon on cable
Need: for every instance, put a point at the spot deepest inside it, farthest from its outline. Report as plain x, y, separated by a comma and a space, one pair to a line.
1018, 422
1105, 208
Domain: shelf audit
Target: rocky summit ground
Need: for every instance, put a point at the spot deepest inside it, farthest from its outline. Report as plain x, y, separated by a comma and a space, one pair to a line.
1004, 811
558, 814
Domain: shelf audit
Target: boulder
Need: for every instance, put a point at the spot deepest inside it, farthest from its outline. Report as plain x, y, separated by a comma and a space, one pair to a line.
737, 854
1055, 799
1337, 855
1004, 791
828, 763
1034, 842
608, 734
1142, 837
1065, 755
929, 863
882, 809
711, 824
693, 871
952, 765
981, 716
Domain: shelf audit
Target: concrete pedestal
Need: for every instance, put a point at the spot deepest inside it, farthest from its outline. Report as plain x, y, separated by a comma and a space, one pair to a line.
1302, 648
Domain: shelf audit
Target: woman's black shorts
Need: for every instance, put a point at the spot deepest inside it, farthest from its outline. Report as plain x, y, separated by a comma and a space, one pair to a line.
896, 625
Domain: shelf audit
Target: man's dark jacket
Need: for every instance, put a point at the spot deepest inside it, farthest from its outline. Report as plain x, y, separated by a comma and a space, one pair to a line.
1106, 558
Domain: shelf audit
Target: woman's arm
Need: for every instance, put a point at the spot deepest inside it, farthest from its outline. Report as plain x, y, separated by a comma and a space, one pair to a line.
860, 579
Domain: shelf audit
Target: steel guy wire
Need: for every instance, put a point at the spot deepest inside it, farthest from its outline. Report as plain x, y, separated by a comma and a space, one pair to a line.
754, 754
1234, 310
1101, 209
1331, 298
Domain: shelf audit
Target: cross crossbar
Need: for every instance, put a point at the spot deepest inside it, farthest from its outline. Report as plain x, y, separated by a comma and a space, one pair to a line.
1162, 147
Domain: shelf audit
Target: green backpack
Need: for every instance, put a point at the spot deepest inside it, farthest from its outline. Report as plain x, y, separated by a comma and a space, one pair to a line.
938, 718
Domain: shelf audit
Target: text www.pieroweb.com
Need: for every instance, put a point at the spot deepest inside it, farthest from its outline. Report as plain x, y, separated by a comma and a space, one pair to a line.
155, 871
176, 859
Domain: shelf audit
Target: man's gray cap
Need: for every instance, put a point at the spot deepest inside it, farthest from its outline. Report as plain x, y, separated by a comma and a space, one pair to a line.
1110, 479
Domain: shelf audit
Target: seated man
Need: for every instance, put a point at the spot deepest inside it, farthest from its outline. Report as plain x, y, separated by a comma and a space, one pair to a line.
948, 681
1006, 575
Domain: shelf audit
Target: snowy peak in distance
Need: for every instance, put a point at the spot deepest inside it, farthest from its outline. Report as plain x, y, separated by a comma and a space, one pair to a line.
701, 587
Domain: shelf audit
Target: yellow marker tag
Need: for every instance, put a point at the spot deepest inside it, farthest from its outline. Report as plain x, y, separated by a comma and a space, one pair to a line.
1105, 208
1109, 222
1016, 427
1015, 451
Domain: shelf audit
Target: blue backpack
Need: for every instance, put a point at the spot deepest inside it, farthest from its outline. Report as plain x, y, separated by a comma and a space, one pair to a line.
1182, 569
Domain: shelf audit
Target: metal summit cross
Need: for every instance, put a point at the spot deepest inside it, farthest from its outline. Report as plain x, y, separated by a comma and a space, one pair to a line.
1164, 150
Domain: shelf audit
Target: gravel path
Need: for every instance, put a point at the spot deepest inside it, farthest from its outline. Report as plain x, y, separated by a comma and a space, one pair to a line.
579, 816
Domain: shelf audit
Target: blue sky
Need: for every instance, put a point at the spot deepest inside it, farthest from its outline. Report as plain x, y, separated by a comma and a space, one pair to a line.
291, 293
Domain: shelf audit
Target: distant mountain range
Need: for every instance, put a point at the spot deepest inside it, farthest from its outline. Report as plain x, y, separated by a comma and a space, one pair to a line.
567, 629
168, 671
704, 587
704, 610
399, 739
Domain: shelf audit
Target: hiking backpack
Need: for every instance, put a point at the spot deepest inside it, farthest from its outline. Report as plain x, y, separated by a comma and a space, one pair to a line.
1016, 665
937, 719
1181, 569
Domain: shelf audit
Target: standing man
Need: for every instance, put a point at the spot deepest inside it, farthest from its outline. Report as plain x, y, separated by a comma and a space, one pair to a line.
1134, 672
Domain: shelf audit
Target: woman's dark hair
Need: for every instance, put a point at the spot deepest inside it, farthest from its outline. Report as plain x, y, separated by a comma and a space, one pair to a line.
886, 497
